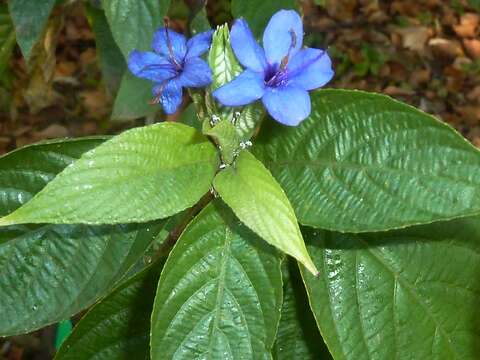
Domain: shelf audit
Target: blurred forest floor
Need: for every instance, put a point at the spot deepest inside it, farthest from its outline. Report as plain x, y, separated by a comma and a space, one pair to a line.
424, 52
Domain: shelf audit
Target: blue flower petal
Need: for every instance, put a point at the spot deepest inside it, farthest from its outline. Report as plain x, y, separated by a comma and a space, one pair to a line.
170, 94
196, 73
288, 105
198, 44
283, 35
310, 69
178, 43
246, 48
151, 66
244, 89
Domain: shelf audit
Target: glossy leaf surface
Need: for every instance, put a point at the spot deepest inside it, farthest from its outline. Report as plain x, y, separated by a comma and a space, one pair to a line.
140, 175
51, 272
260, 203
365, 162
118, 327
404, 294
29, 18
219, 295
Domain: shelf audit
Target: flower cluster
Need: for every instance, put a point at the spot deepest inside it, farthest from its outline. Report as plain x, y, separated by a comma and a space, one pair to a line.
280, 74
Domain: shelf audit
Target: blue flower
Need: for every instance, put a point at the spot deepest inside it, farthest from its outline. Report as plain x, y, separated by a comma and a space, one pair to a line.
281, 74
174, 64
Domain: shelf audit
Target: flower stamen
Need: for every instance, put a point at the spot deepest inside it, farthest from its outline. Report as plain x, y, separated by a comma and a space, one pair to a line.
169, 45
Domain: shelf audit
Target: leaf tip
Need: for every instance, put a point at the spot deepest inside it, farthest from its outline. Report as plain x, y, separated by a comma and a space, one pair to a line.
310, 266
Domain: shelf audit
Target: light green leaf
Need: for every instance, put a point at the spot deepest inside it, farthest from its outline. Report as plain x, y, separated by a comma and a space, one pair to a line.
118, 327
50, 272
365, 162
29, 18
111, 61
219, 294
260, 203
226, 137
140, 175
133, 99
221, 58
133, 22
225, 68
405, 294
297, 336
258, 13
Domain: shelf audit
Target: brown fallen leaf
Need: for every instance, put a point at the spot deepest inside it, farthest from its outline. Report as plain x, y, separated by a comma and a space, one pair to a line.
446, 47
51, 132
414, 37
468, 25
473, 47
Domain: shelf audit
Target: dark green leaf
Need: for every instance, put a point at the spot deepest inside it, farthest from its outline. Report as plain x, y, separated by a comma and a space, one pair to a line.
365, 162
297, 336
405, 294
140, 175
111, 60
118, 327
133, 22
200, 22
133, 99
29, 18
189, 117
260, 203
52, 272
258, 13
219, 295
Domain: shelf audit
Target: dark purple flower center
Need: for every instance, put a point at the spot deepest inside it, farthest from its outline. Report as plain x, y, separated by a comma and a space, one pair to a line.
276, 76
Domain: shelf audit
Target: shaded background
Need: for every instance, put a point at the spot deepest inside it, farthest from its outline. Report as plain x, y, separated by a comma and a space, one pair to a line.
423, 52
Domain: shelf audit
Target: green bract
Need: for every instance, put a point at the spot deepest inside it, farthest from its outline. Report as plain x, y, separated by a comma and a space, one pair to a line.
355, 235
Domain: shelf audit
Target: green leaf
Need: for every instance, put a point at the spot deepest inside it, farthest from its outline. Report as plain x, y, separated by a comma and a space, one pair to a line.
297, 336
225, 68
221, 59
133, 22
29, 18
133, 99
51, 272
118, 327
405, 294
258, 13
365, 162
260, 203
200, 22
7, 38
225, 135
189, 117
219, 294
140, 175
111, 61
